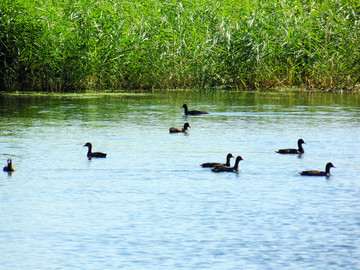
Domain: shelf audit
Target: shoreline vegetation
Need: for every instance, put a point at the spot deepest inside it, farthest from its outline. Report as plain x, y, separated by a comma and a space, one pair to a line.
77, 46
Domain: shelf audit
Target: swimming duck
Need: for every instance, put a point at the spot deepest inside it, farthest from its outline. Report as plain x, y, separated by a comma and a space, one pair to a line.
9, 167
215, 164
93, 154
229, 169
194, 112
318, 172
300, 149
177, 129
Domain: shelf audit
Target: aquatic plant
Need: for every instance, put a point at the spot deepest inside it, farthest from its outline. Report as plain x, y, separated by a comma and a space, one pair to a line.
77, 45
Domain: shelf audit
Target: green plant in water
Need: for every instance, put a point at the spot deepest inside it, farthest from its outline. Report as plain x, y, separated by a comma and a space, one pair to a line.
79, 45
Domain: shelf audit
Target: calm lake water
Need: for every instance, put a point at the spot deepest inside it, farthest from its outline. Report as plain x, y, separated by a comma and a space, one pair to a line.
149, 205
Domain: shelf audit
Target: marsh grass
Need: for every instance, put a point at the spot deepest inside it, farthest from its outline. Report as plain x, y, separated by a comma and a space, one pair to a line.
71, 45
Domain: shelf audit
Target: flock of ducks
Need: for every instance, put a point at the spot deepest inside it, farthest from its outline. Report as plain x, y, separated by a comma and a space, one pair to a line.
225, 167
215, 166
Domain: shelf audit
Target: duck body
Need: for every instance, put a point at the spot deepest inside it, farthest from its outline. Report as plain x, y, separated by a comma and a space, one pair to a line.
300, 149
318, 172
9, 167
216, 164
179, 130
229, 169
193, 112
93, 154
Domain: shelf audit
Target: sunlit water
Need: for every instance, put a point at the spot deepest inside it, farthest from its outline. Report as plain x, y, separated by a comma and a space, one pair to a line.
149, 205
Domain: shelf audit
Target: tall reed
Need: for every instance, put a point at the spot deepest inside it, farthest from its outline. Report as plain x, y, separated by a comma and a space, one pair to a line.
77, 45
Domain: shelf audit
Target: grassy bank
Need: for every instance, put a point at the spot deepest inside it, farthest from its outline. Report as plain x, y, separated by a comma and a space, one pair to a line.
71, 45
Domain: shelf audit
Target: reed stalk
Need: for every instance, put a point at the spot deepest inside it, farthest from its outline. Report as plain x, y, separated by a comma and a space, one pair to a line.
80, 45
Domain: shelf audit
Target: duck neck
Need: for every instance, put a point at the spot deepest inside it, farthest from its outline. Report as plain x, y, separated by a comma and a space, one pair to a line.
89, 150
236, 166
301, 149
327, 169
228, 161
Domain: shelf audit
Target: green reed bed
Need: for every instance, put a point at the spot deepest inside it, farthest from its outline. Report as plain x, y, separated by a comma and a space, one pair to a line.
73, 45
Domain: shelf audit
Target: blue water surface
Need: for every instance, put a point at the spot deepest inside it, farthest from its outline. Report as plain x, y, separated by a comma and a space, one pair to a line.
149, 205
